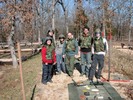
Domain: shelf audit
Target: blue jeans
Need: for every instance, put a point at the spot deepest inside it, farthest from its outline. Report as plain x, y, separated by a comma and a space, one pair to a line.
97, 60
85, 62
60, 63
47, 73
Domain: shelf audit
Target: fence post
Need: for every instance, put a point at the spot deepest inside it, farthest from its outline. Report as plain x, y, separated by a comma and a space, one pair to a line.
20, 70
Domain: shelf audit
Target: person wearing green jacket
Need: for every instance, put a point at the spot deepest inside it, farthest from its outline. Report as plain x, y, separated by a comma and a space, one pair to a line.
99, 49
69, 51
85, 43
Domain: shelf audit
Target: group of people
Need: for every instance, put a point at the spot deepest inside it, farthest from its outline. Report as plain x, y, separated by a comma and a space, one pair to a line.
64, 52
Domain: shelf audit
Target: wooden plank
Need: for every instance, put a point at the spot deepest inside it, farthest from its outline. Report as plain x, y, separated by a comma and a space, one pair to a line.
22, 44
23, 57
23, 50
6, 60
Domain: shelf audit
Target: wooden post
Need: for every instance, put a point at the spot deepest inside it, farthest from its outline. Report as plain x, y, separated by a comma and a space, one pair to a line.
130, 22
109, 60
21, 72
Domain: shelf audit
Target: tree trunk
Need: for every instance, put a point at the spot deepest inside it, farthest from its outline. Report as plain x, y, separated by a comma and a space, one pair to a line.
130, 23
12, 49
53, 18
66, 21
65, 15
39, 40
103, 28
104, 19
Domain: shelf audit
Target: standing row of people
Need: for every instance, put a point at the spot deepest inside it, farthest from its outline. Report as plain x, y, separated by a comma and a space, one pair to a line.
64, 52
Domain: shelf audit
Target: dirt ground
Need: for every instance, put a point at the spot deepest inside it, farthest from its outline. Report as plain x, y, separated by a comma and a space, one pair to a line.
58, 90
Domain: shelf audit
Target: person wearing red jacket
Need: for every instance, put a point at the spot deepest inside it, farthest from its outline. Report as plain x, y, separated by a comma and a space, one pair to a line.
48, 60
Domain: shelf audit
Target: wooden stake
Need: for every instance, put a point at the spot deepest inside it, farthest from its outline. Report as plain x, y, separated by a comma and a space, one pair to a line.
21, 72
109, 58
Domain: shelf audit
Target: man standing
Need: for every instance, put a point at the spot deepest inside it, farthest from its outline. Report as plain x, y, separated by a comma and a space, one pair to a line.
59, 58
70, 50
99, 48
85, 43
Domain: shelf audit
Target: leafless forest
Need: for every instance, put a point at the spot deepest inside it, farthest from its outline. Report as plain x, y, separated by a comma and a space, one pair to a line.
27, 22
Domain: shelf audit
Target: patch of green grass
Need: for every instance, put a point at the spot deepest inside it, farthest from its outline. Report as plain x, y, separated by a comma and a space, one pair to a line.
10, 87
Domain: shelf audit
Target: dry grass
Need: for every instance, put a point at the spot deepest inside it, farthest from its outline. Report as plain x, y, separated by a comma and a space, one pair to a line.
10, 82
129, 91
121, 62
10, 88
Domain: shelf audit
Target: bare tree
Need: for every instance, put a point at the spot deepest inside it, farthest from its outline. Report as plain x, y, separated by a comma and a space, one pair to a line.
65, 13
15, 13
81, 19
130, 21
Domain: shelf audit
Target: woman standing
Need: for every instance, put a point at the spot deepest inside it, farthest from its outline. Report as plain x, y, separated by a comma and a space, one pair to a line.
48, 60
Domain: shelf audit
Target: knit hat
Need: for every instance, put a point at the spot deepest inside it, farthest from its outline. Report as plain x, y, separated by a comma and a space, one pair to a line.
48, 38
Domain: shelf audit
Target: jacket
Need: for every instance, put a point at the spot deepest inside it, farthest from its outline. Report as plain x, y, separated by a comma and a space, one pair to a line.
44, 58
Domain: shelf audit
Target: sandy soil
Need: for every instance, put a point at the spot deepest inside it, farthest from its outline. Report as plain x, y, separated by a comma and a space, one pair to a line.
121, 88
58, 90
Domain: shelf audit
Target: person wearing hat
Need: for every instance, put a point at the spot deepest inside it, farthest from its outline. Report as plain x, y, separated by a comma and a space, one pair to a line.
48, 60
69, 51
99, 49
59, 58
50, 34
85, 43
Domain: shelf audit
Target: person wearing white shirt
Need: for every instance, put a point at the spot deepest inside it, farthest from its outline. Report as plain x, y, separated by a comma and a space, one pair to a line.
99, 49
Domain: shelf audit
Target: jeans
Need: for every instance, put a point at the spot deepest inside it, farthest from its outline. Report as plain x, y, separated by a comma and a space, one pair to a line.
60, 63
97, 60
85, 62
47, 73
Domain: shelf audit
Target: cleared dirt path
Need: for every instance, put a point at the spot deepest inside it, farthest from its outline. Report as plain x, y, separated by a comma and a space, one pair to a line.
58, 90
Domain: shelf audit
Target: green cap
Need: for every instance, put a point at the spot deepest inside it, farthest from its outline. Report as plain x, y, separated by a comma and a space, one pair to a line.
98, 31
61, 36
